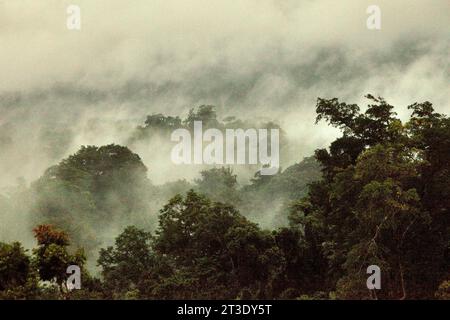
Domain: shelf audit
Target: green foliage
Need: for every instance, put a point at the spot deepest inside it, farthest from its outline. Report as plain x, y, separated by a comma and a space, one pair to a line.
213, 250
92, 189
206, 114
124, 265
374, 205
378, 195
219, 184
14, 266
273, 194
51, 256
156, 125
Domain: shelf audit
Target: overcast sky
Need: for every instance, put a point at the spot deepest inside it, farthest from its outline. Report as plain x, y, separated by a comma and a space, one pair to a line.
261, 58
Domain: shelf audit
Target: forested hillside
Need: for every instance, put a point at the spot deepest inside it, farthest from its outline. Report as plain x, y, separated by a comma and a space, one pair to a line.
378, 195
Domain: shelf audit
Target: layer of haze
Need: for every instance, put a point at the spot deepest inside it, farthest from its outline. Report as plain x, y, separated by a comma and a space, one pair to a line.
264, 59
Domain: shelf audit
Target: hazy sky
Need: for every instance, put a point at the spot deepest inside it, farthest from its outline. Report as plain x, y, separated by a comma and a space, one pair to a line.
260, 58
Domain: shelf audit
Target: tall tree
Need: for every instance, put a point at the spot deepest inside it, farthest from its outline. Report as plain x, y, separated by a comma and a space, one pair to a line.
374, 205
125, 265
51, 256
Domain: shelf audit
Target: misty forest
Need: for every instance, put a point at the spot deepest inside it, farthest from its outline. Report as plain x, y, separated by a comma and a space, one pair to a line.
379, 194
93, 204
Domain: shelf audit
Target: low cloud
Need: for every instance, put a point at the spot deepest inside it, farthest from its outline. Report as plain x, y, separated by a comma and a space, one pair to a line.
254, 59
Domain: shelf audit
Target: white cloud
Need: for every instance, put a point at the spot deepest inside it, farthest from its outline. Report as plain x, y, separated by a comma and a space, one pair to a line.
269, 57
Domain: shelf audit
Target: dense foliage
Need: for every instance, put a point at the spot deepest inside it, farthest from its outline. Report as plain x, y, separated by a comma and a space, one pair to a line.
380, 195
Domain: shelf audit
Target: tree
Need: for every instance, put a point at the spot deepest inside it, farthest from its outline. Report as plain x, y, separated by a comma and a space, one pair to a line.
206, 114
92, 189
14, 266
125, 265
213, 250
271, 196
51, 255
156, 125
374, 205
219, 184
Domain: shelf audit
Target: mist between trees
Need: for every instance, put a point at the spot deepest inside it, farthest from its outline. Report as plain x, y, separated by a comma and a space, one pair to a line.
379, 195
